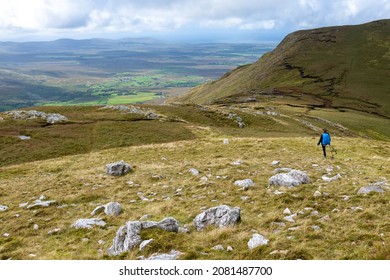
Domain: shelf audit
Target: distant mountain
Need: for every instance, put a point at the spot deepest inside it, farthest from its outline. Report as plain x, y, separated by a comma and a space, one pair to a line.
62, 45
332, 67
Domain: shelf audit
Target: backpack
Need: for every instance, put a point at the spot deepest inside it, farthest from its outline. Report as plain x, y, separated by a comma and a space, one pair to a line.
325, 139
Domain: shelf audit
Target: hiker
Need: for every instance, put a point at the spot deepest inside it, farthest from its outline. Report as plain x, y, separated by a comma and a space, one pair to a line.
324, 140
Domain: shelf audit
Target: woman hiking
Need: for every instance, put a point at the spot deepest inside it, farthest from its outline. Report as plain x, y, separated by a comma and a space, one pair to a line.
324, 140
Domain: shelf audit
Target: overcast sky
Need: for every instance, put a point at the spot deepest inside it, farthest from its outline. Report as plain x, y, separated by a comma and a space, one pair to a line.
194, 20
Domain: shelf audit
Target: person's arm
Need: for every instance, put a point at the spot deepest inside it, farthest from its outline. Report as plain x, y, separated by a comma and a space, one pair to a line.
320, 140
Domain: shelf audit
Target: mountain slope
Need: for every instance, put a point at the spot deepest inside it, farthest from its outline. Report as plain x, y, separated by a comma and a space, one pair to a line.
332, 67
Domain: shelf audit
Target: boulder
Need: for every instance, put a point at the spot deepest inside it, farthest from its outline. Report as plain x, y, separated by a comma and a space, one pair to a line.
118, 168
88, 223
221, 216
129, 235
291, 179
111, 208
257, 240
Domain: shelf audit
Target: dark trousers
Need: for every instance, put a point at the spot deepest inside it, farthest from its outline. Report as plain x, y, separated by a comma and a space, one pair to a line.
324, 150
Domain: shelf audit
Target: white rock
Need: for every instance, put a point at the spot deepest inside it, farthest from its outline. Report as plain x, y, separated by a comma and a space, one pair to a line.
3, 208
257, 240
218, 247
290, 218
173, 255
317, 194
275, 162
35, 227
194, 171
330, 179
287, 211
226, 141
88, 223
244, 184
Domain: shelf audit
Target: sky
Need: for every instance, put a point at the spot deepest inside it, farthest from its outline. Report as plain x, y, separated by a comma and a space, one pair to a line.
180, 20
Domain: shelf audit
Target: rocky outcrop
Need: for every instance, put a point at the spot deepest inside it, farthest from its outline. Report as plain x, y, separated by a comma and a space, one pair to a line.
33, 114
118, 168
291, 179
221, 216
129, 235
378, 187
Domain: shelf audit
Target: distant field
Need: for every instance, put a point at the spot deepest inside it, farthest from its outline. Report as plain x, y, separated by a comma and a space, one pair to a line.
92, 72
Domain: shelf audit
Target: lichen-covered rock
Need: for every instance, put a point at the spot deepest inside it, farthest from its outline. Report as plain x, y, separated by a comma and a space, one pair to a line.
129, 235
291, 179
220, 216
118, 168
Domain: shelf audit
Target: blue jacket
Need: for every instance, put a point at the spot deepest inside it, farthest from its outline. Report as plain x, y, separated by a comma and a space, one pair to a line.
324, 139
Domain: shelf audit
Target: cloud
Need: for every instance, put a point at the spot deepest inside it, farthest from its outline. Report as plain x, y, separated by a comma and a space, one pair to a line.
89, 17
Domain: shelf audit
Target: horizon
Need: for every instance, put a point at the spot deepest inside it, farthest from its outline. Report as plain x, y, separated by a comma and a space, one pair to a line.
179, 21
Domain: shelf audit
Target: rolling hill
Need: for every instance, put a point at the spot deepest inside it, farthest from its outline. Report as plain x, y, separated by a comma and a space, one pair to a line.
342, 67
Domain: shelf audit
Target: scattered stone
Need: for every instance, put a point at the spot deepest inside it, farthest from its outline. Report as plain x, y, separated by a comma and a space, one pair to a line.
335, 210
244, 184
118, 168
294, 228
334, 178
356, 208
291, 179
218, 247
316, 228
237, 162
129, 235
173, 255
277, 192
24, 137
40, 203
111, 208
22, 205
101, 242
317, 194
229, 248
226, 141
257, 240
370, 188
275, 162
287, 211
35, 227
244, 198
3, 208
194, 171
145, 217
88, 223
6, 234
290, 218
53, 231
281, 252
325, 218
314, 213
221, 216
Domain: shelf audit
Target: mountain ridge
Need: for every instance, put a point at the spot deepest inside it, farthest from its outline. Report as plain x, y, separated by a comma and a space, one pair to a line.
342, 67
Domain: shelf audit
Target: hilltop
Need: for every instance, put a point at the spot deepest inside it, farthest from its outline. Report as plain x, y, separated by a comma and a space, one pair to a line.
342, 67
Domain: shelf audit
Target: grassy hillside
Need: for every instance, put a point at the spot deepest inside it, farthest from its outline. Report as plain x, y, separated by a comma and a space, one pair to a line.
344, 67
66, 163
